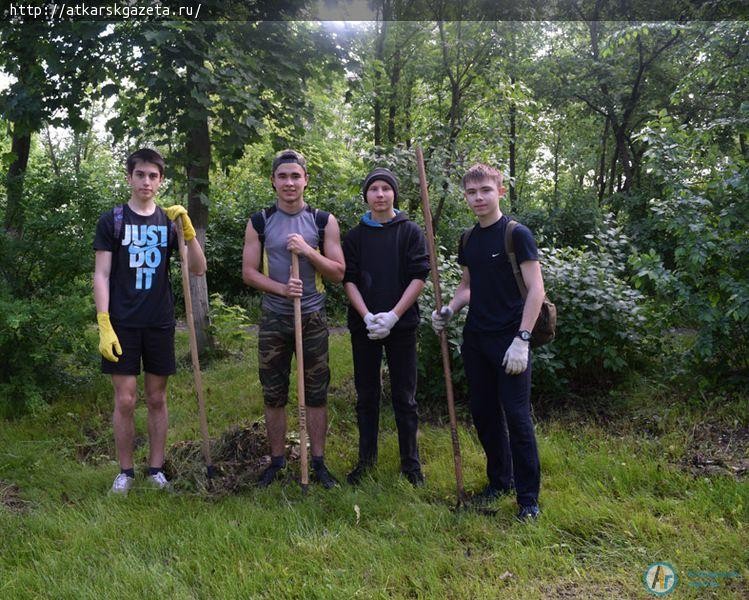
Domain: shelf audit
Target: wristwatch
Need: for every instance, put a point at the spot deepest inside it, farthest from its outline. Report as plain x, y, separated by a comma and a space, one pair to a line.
524, 335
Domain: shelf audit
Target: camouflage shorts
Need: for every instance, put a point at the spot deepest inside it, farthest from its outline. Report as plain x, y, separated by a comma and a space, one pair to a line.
275, 347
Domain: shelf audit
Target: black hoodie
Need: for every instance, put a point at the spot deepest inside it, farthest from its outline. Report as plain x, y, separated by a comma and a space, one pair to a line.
382, 260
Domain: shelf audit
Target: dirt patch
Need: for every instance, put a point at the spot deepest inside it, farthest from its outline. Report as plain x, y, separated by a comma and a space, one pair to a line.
716, 449
10, 498
568, 590
239, 455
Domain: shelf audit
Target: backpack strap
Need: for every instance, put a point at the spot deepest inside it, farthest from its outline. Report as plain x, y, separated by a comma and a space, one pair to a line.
510, 250
118, 217
259, 219
465, 236
321, 221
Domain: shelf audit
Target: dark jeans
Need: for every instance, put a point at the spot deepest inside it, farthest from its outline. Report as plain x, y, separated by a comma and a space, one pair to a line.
491, 390
400, 350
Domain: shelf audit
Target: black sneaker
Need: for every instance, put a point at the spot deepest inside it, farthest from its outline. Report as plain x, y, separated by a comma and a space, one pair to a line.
490, 494
324, 477
360, 470
269, 475
528, 513
415, 478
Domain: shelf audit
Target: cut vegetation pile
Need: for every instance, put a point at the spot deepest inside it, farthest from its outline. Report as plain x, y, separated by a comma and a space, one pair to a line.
717, 450
239, 455
10, 498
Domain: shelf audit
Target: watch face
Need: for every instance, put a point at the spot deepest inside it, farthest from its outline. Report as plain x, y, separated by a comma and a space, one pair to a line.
525, 336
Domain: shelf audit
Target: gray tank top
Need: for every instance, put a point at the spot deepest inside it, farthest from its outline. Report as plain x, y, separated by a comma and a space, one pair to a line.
277, 229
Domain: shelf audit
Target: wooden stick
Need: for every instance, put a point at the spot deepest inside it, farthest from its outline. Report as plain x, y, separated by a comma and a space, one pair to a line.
194, 348
300, 378
443, 334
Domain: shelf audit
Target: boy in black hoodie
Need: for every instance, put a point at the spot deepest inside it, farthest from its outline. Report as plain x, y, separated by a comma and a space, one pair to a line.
386, 266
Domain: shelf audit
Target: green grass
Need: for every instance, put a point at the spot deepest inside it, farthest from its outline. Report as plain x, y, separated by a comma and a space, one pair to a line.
612, 504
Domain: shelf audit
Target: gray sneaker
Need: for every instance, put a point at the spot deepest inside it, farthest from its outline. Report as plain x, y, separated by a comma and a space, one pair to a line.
122, 484
159, 482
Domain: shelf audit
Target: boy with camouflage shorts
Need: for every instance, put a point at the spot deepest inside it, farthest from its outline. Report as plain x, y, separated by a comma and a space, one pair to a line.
291, 225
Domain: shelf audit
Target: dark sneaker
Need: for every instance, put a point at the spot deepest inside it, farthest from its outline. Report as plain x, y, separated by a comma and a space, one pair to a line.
528, 513
269, 475
490, 494
324, 477
360, 470
415, 478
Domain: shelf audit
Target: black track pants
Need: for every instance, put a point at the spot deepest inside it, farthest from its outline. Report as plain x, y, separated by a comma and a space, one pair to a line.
400, 351
493, 392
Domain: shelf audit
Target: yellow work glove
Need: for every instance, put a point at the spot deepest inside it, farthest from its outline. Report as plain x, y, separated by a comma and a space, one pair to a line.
108, 342
180, 211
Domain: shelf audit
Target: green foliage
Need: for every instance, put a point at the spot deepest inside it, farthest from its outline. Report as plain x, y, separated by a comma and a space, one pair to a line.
603, 323
229, 326
431, 377
568, 224
45, 291
702, 211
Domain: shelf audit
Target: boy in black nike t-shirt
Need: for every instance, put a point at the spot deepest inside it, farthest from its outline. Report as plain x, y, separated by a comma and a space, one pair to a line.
135, 307
496, 340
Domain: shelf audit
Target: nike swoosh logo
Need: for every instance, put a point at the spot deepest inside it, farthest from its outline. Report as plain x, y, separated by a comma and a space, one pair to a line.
495, 255
133, 249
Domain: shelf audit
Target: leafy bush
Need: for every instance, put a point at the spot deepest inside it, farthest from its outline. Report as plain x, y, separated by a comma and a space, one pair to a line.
566, 225
229, 326
602, 322
431, 378
46, 305
701, 282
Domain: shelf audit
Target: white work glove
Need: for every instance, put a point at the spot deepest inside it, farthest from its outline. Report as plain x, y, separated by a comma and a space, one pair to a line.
442, 318
516, 357
369, 320
374, 330
383, 323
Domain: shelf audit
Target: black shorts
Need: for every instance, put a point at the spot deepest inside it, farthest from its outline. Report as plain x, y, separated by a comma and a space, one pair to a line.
155, 345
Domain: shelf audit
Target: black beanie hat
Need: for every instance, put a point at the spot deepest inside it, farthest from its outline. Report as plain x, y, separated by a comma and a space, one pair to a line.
385, 175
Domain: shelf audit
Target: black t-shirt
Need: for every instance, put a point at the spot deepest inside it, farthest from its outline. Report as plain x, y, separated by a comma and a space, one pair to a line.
140, 292
496, 305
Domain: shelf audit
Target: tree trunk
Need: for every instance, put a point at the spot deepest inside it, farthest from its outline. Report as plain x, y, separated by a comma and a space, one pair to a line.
624, 159
602, 165
513, 153
14, 215
199, 157
557, 149
395, 76
379, 61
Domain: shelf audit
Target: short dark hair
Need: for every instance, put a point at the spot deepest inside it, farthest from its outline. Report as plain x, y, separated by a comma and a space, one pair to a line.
482, 171
288, 156
145, 155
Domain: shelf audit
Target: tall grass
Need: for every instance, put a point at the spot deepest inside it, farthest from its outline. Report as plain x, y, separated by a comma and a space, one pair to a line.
612, 504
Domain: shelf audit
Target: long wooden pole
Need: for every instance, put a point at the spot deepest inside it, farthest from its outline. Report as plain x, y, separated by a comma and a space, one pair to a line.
194, 349
443, 334
300, 378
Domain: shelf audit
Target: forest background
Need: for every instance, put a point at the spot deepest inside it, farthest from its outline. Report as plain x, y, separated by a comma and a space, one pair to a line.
623, 143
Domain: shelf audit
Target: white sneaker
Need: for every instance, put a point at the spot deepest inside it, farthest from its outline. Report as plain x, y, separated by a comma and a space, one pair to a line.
122, 484
160, 482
